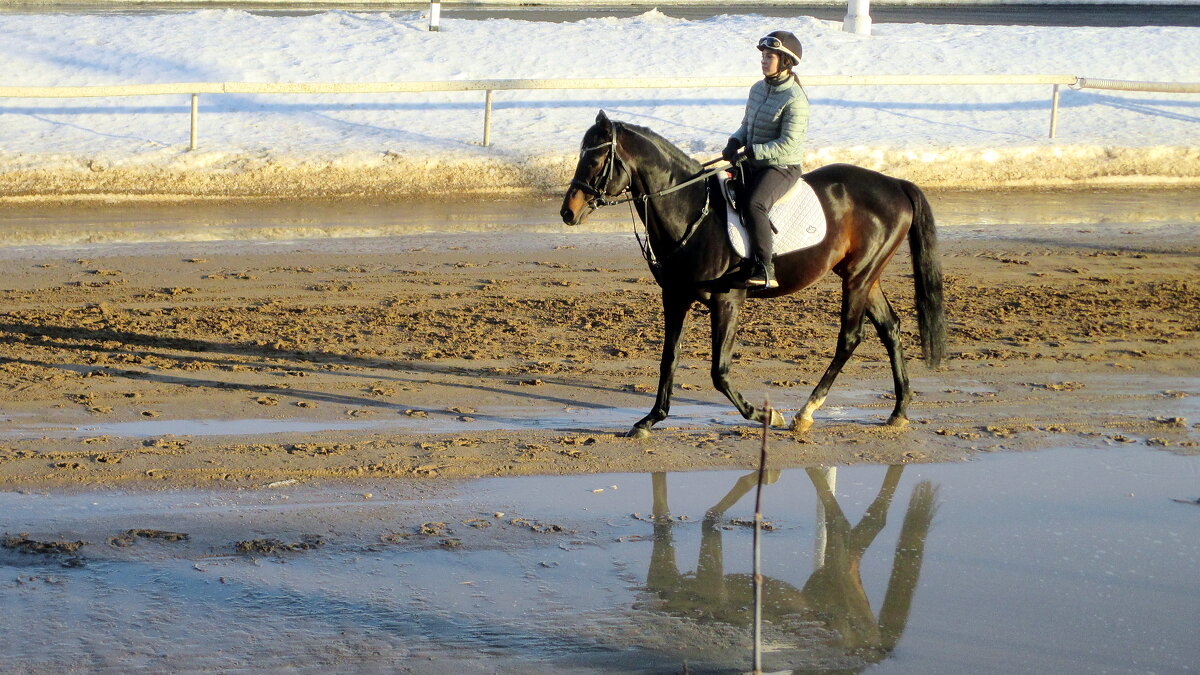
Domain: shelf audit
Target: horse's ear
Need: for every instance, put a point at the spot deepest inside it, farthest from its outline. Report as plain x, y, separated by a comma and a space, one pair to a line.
601, 118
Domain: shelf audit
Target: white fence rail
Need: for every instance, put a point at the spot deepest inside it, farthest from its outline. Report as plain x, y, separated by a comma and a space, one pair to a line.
195, 89
1129, 85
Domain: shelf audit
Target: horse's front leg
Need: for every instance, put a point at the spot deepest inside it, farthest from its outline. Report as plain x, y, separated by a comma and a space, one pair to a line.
725, 309
675, 309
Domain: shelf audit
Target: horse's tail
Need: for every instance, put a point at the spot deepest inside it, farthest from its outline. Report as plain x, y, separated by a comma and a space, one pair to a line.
927, 272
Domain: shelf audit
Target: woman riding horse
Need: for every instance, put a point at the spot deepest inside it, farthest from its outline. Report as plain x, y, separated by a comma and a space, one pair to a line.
772, 133
867, 215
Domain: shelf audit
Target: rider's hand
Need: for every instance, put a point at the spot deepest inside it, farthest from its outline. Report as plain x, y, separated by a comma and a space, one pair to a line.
737, 155
730, 153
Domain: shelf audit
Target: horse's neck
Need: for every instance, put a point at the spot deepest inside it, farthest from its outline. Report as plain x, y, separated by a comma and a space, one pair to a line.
667, 217
681, 235
692, 231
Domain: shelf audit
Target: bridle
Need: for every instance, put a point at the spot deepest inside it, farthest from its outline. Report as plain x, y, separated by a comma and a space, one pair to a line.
599, 197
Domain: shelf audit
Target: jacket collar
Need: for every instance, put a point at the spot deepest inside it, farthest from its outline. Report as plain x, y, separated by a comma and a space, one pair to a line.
779, 81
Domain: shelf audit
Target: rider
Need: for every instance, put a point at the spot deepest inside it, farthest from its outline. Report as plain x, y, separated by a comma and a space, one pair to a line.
771, 140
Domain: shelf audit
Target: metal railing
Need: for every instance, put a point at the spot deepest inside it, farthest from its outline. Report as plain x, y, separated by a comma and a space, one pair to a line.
195, 89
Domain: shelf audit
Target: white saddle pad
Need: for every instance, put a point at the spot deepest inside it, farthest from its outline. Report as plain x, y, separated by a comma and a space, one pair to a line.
797, 215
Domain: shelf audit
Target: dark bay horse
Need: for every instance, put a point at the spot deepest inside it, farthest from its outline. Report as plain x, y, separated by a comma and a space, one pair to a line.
867, 215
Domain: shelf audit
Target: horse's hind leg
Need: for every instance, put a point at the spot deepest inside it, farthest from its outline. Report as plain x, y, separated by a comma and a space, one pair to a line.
675, 309
887, 324
854, 303
725, 309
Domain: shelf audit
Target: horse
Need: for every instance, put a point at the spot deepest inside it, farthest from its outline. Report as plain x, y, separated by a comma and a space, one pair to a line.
867, 214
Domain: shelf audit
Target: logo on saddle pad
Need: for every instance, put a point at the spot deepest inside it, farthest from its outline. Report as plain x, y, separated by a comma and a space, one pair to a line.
798, 219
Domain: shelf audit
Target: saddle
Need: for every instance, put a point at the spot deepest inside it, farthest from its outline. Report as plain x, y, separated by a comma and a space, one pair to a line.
797, 217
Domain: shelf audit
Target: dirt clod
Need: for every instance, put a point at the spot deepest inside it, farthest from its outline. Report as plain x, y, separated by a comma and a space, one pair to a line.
271, 546
24, 544
130, 536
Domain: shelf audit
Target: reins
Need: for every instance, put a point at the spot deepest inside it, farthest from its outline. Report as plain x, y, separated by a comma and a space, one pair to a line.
601, 199
647, 197
653, 261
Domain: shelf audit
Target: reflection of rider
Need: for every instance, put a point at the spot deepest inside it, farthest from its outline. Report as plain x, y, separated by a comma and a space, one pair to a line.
771, 139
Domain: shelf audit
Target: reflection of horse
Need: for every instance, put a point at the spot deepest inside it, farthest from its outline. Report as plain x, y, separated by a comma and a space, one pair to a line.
867, 214
833, 600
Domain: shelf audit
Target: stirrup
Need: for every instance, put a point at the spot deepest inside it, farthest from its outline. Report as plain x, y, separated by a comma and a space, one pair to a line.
762, 277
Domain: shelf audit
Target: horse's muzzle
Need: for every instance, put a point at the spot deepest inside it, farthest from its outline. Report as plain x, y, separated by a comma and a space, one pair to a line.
575, 207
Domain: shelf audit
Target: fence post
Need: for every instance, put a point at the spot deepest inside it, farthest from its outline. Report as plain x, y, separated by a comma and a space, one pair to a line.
1054, 112
858, 17
195, 114
435, 15
487, 119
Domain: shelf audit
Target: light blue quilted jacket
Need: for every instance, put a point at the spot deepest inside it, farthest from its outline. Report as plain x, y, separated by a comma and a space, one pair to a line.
775, 126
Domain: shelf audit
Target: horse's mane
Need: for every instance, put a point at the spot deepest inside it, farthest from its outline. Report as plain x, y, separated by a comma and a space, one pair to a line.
666, 147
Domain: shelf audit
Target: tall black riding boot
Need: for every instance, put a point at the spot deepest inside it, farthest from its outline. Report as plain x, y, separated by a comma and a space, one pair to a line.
759, 225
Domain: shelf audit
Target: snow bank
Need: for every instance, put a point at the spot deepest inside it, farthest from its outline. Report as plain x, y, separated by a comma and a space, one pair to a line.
246, 176
405, 144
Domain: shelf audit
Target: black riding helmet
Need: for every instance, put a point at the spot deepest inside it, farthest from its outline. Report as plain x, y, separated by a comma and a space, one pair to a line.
785, 44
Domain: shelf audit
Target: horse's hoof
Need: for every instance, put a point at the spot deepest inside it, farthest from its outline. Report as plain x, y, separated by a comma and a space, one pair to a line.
777, 419
897, 422
638, 432
801, 424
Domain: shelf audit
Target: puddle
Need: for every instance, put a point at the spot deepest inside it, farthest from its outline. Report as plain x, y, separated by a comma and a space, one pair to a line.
1058, 561
1093, 206
253, 221
124, 228
437, 422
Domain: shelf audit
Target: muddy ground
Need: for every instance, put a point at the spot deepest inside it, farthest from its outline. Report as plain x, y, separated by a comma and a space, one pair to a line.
444, 357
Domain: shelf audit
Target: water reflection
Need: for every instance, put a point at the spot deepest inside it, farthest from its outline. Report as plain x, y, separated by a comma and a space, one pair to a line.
829, 619
1069, 560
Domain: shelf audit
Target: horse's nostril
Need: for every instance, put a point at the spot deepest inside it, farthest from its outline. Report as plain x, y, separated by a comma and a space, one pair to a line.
566, 214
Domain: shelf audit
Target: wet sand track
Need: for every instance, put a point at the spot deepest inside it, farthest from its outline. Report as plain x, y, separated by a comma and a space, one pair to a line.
511, 354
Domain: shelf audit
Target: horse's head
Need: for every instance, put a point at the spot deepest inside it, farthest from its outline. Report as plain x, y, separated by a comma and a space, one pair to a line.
599, 174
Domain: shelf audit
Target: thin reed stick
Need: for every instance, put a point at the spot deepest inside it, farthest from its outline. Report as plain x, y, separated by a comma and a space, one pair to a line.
758, 579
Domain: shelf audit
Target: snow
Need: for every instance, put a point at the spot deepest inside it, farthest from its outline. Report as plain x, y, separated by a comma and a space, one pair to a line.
406, 143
